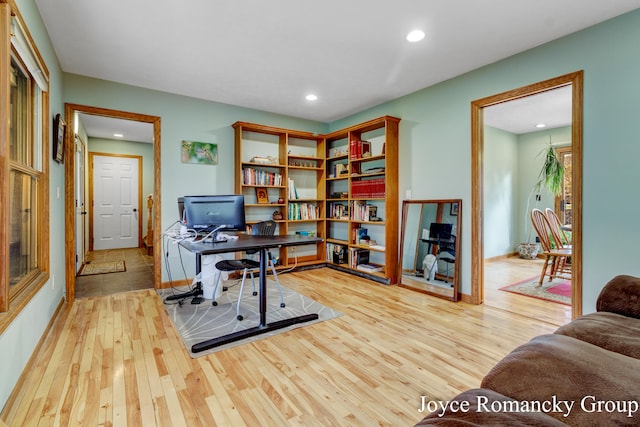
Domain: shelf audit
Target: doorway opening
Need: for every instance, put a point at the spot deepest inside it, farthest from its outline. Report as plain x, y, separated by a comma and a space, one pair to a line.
574, 80
76, 209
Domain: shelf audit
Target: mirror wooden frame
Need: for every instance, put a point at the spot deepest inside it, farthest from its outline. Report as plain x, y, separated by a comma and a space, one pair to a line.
435, 290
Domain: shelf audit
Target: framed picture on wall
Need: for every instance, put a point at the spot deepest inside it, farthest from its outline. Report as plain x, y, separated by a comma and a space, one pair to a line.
59, 128
453, 211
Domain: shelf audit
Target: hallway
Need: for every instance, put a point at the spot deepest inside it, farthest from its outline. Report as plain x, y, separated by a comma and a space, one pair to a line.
138, 274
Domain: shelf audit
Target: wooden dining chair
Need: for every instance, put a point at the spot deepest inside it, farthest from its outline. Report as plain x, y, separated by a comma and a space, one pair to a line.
556, 228
555, 256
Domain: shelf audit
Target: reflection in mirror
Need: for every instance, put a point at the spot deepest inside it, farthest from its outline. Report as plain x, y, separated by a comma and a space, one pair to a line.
430, 246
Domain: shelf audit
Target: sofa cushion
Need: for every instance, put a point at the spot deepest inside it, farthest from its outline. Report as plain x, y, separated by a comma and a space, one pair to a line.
610, 331
480, 411
564, 370
621, 295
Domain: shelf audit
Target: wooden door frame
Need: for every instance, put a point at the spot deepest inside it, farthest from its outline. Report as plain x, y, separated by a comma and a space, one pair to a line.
477, 182
91, 171
69, 194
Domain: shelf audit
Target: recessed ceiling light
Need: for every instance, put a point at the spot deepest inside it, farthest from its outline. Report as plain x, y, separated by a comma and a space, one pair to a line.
118, 135
311, 97
541, 125
415, 36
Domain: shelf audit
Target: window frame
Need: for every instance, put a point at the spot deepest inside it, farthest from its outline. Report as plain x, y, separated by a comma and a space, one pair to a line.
16, 42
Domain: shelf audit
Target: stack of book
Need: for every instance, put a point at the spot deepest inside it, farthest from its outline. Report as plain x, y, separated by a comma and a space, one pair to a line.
369, 268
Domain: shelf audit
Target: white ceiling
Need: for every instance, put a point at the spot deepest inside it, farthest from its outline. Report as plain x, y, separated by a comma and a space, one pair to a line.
552, 108
106, 127
269, 55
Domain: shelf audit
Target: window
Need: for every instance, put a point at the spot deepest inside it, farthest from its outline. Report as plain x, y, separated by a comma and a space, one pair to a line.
24, 177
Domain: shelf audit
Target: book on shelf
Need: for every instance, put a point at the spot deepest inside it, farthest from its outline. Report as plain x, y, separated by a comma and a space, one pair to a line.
359, 149
362, 211
251, 176
293, 192
360, 234
369, 268
303, 211
368, 188
358, 256
338, 210
336, 253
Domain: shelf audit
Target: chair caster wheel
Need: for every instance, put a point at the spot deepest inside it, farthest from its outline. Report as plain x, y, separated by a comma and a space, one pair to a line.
214, 303
239, 317
283, 305
254, 293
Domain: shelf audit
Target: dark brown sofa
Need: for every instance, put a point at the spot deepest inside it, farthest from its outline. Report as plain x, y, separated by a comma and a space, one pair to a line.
587, 373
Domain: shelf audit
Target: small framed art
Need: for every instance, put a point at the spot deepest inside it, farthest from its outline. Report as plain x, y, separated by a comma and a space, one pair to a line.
453, 211
261, 195
59, 128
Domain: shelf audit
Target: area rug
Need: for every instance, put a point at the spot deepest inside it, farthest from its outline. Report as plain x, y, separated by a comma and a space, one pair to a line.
102, 268
558, 290
200, 322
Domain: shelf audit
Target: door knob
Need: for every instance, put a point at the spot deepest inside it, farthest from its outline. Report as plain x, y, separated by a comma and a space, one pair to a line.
135, 210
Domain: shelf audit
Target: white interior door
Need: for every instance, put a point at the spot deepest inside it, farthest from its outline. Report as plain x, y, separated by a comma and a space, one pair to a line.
115, 202
80, 208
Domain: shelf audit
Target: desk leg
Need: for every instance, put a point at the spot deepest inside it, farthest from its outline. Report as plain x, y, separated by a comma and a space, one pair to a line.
263, 287
262, 327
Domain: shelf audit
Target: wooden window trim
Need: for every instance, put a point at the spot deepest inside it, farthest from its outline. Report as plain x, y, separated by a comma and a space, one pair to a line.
13, 301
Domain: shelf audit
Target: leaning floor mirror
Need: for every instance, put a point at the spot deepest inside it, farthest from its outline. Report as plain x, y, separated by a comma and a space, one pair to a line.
430, 247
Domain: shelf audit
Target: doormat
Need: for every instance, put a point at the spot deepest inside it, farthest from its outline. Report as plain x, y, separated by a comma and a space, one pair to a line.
201, 322
558, 290
102, 268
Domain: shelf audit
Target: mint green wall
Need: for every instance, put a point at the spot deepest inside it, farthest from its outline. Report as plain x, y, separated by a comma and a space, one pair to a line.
435, 139
512, 165
19, 340
111, 146
500, 191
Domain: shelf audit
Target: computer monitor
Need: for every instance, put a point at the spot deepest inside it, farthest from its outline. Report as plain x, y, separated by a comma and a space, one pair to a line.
213, 213
440, 229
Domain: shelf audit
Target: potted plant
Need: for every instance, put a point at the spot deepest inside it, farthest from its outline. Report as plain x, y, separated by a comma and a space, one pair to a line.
551, 177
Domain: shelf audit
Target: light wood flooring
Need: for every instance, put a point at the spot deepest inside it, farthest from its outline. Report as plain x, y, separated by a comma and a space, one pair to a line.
117, 360
511, 270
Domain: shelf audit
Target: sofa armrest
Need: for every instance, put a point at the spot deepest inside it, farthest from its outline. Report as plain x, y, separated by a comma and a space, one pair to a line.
621, 295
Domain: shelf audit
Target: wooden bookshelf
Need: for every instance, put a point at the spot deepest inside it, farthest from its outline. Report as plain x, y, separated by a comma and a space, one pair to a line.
283, 156
317, 183
364, 179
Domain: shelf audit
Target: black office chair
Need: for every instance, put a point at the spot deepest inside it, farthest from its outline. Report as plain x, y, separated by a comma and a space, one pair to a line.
447, 250
264, 228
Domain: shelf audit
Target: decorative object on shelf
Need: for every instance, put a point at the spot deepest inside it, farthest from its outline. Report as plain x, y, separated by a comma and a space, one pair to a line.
262, 160
261, 195
277, 215
203, 153
280, 201
59, 128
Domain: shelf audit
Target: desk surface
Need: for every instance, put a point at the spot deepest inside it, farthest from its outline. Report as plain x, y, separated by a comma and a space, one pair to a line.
247, 242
